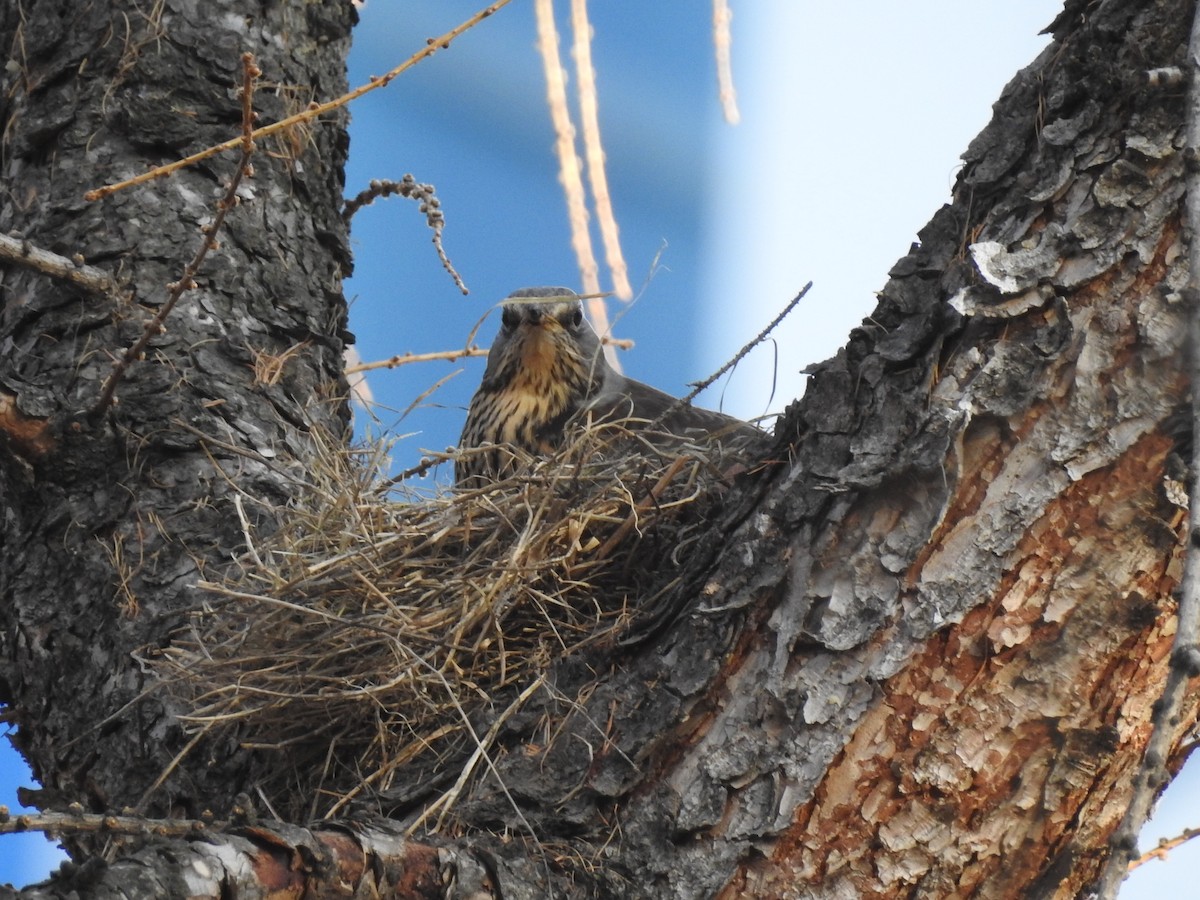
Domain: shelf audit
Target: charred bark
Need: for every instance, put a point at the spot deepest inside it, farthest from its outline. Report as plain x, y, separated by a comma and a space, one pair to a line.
922, 662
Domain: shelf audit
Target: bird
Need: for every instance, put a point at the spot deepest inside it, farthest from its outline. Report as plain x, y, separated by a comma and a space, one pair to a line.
546, 370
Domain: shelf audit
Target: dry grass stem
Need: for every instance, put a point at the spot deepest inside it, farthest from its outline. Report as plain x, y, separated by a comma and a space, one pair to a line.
377, 635
269, 367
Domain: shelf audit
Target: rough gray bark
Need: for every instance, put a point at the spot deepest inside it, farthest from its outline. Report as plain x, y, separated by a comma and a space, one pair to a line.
922, 656
108, 523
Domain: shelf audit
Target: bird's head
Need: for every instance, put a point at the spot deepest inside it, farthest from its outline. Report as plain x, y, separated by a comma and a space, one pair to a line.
544, 341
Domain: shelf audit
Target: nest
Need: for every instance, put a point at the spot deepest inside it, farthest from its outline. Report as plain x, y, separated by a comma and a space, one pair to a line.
377, 633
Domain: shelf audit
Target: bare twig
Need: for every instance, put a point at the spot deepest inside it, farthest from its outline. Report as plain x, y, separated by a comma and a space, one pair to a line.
589, 118
1164, 847
187, 282
1185, 656
698, 386
315, 110
404, 359
22, 253
430, 205
722, 40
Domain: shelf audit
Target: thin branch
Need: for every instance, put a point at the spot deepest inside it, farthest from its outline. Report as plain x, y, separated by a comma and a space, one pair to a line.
73, 271
430, 205
187, 282
404, 359
564, 146
1164, 847
589, 118
1185, 655
315, 110
722, 40
698, 386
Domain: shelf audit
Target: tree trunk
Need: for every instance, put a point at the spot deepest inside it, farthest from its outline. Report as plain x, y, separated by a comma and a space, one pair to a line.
922, 656
109, 523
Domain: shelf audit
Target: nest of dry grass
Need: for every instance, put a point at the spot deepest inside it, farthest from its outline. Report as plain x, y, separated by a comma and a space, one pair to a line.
378, 633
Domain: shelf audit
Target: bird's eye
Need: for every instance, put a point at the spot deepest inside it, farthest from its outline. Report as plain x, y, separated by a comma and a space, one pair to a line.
509, 318
576, 317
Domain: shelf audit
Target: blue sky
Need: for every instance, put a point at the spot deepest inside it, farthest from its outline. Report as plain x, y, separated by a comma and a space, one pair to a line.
853, 118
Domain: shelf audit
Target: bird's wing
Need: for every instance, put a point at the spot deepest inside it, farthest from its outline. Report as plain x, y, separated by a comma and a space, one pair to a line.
624, 398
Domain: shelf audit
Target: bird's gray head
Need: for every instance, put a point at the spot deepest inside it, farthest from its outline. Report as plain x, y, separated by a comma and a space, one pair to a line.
544, 328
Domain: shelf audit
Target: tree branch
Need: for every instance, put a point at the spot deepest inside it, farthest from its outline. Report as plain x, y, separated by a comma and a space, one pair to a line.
23, 253
260, 860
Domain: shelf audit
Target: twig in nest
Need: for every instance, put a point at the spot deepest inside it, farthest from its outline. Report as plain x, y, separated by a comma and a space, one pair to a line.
430, 205
187, 281
315, 110
1185, 655
641, 508
72, 271
445, 803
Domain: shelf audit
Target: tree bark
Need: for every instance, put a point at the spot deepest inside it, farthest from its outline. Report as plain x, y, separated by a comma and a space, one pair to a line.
109, 523
922, 655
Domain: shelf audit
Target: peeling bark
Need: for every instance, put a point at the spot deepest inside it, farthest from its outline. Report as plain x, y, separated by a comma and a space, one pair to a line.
922, 656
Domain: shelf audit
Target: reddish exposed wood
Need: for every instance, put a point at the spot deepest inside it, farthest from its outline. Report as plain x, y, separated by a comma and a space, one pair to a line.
969, 756
28, 436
